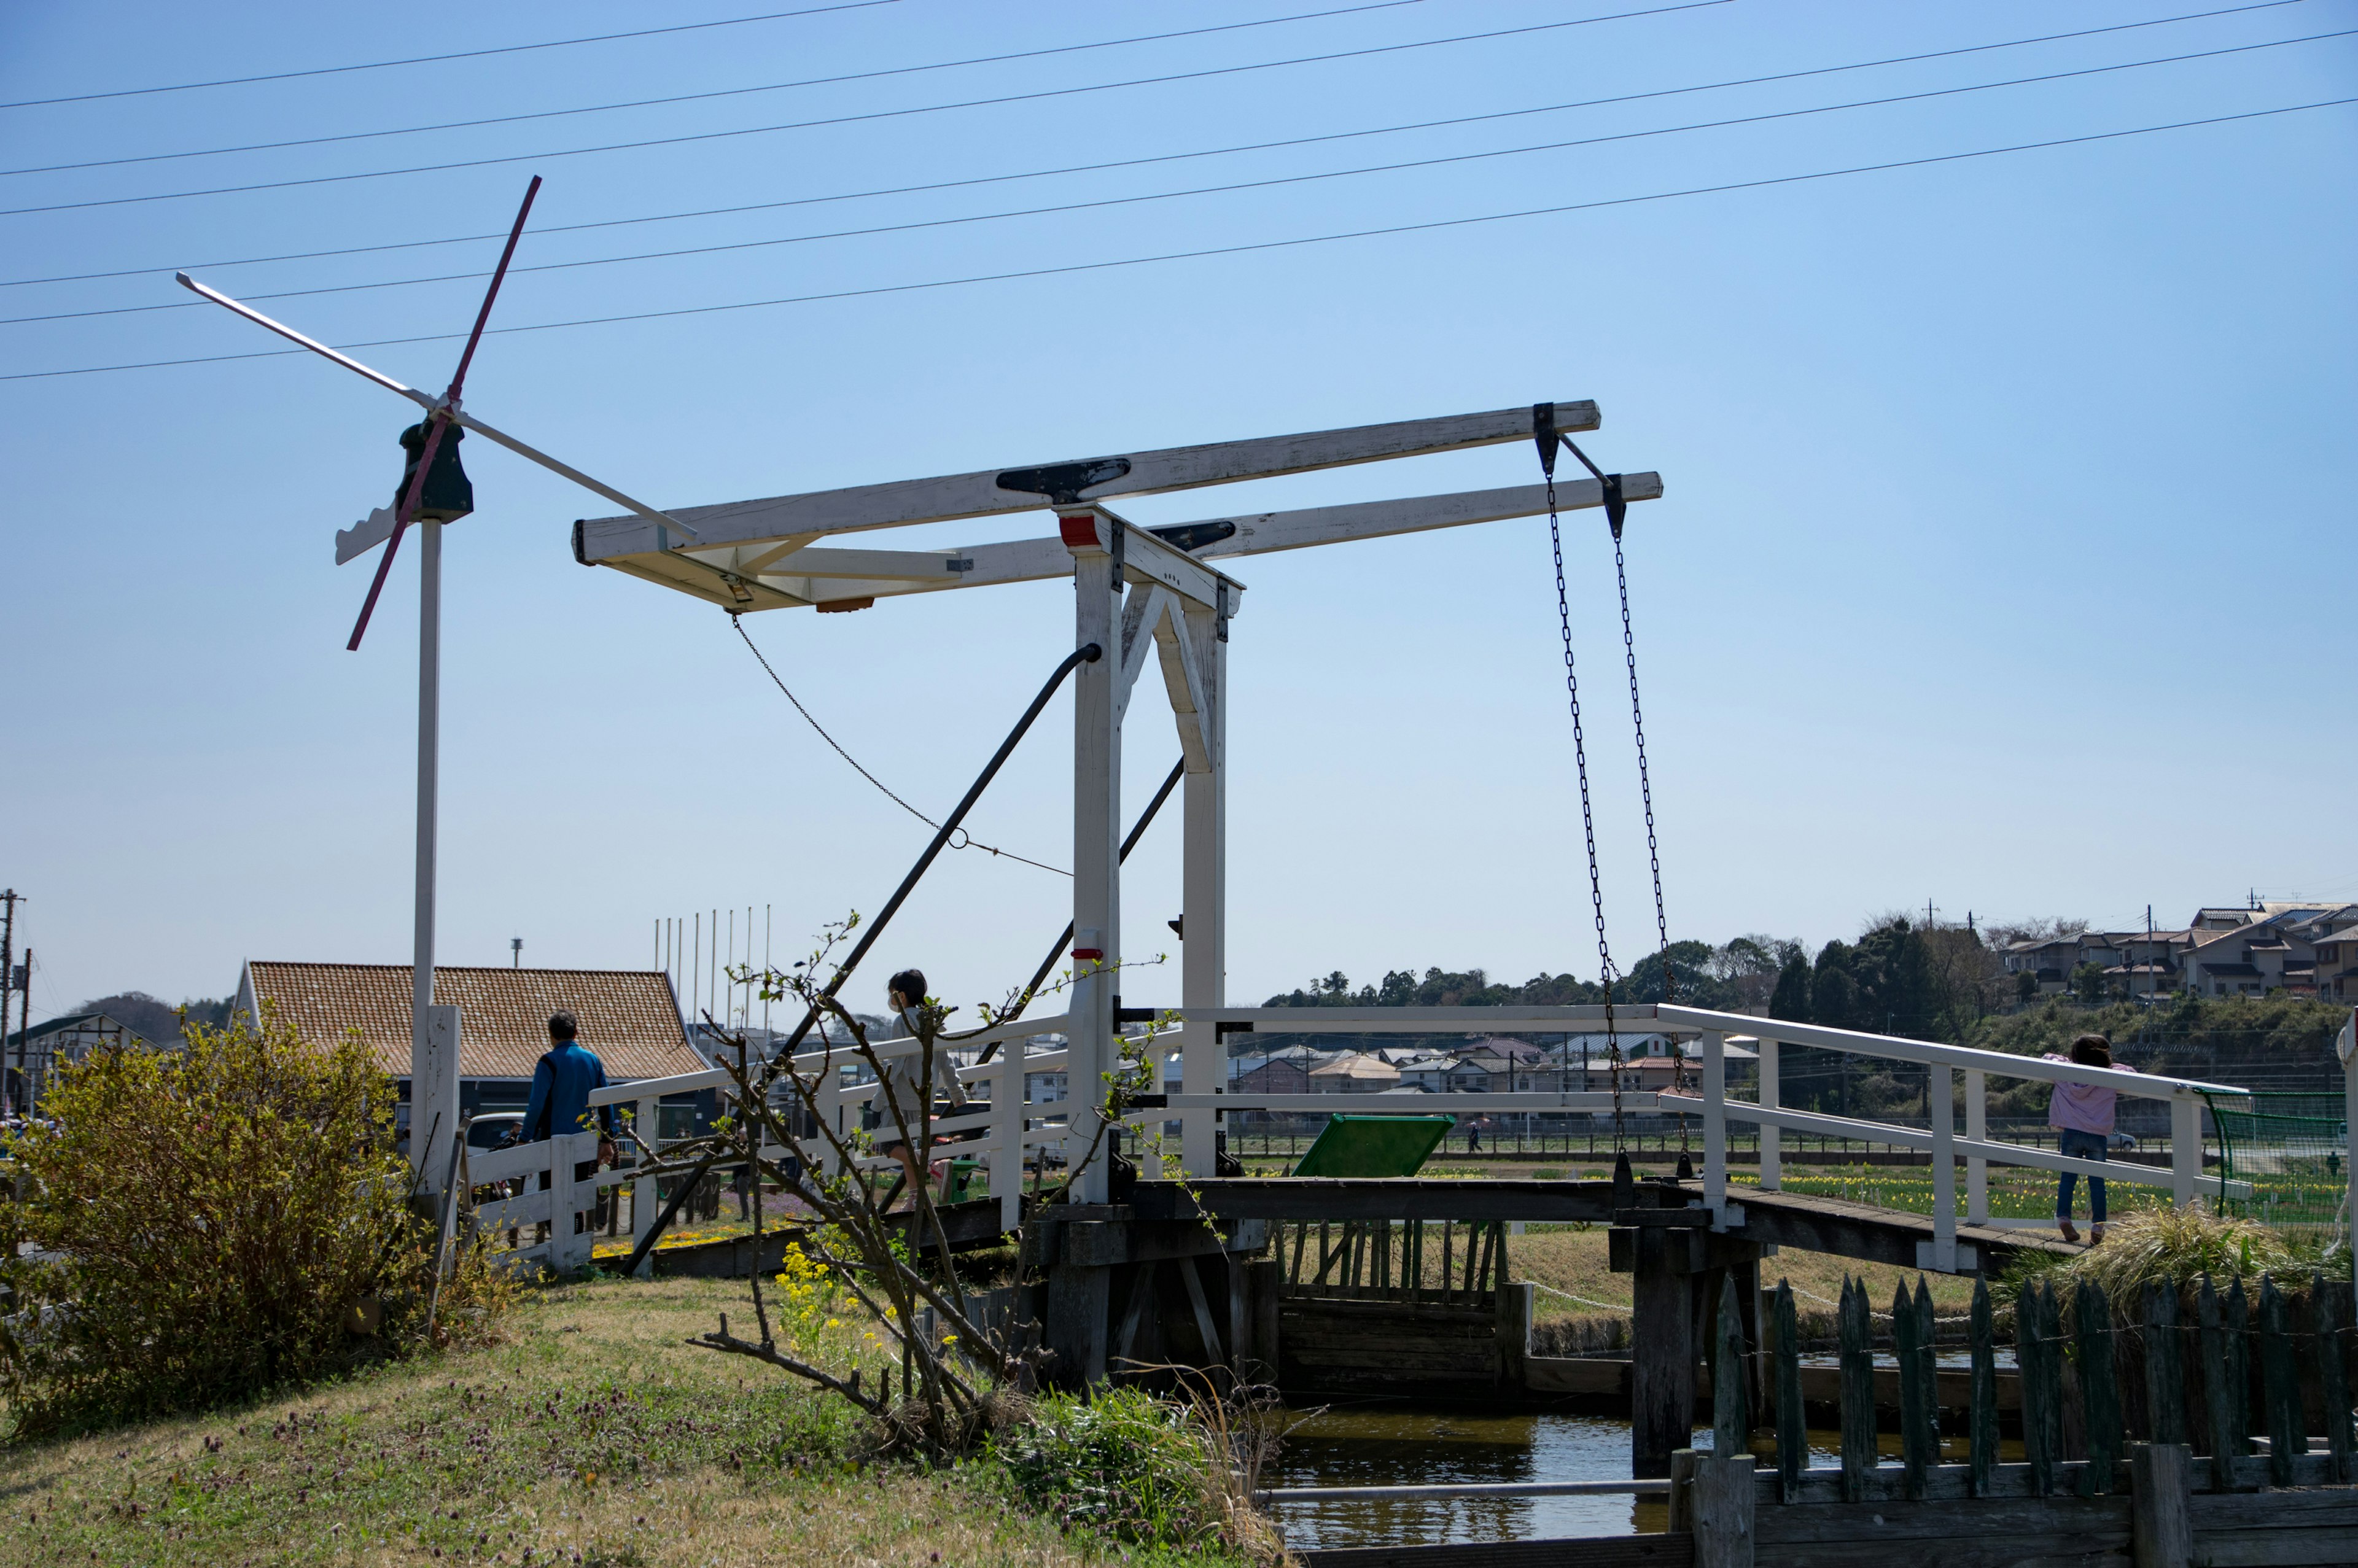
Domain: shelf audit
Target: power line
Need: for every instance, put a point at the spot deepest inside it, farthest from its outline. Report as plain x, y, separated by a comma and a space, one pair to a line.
1210, 190
856, 119
1232, 250
439, 59
1166, 157
719, 93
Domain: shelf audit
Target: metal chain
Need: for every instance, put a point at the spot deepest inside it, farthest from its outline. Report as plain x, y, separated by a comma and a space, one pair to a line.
1588, 815
1646, 794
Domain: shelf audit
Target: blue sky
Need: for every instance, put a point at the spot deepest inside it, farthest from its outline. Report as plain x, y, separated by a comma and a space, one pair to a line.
2004, 563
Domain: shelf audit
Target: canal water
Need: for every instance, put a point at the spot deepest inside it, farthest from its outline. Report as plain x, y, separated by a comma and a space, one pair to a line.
1391, 1445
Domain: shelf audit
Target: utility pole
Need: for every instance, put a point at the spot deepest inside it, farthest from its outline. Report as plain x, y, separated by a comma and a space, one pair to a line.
515, 952
8, 978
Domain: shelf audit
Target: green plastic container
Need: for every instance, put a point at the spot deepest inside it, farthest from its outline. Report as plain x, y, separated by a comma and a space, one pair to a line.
1375, 1145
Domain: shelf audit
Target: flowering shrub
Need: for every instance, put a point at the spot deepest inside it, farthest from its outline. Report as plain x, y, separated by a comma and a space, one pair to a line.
201, 1224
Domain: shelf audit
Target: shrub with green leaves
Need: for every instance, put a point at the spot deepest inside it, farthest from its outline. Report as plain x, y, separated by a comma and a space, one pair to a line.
197, 1226
1122, 1463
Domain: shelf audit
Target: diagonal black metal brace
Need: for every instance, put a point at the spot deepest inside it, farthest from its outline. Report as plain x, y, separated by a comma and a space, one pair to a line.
1063, 482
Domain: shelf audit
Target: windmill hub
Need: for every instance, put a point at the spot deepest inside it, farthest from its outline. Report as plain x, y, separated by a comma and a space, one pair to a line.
447, 496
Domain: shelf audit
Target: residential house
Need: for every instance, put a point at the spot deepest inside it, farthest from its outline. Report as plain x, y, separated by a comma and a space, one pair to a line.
32, 1054
1354, 1072
629, 1018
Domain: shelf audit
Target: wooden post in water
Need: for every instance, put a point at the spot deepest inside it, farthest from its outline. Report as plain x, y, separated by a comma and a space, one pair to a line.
2161, 1532
1928, 1355
1662, 1359
1857, 1391
2041, 1363
2326, 1315
2280, 1382
1907, 1335
1982, 1439
2236, 1314
1730, 1409
2165, 1379
1792, 1419
2099, 1398
1682, 1472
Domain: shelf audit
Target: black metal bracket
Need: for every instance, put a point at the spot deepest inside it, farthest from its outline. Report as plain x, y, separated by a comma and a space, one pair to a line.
1194, 537
1063, 482
1544, 432
1220, 1031
1615, 507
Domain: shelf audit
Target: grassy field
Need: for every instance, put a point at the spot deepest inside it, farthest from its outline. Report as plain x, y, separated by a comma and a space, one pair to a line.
592, 1436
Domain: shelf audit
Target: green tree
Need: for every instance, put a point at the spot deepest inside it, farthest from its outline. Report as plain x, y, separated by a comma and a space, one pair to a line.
1791, 1001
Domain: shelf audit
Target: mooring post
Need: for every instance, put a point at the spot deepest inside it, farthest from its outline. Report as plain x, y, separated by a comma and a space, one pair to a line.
1723, 1511
2161, 1532
1662, 1361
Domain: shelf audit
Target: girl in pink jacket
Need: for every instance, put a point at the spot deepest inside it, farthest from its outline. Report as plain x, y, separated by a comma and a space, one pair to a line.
2083, 1116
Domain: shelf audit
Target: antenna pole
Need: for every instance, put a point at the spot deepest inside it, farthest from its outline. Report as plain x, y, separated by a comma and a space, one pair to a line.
429, 767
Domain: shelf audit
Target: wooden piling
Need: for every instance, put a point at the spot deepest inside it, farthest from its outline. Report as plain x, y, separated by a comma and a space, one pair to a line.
1792, 1420
1730, 1411
1915, 1394
1724, 1492
2100, 1400
2221, 1399
1662, 1358
2280, 1386
2165, 1379
2162, 1530
1982, 1421
1858, 1452
2040, 1360
2327, 1316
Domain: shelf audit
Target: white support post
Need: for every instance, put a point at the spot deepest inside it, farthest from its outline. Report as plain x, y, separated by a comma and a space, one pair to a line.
433, 1103
1714, 1120
1096, 834
1940, 1090
1204, 893
1007, 1135
647, 1201
429, 1076
1976, 1132
2185, 1148
567, 1251
1772, 1164
829, 1108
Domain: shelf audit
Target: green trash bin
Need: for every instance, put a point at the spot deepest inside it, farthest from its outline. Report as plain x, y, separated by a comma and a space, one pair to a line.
1374, 1145
960, 1177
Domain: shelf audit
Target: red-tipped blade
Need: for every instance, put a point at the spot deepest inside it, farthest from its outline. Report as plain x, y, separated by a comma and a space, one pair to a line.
440, 422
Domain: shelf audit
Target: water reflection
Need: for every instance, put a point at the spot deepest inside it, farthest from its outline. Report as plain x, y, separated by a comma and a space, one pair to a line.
1383, 1447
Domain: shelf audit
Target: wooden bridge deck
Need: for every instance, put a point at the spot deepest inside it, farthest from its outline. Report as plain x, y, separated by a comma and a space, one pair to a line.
1830, 1225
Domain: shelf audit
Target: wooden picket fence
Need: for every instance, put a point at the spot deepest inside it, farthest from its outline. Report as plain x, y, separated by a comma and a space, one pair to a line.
2084, 1393
1407, 1260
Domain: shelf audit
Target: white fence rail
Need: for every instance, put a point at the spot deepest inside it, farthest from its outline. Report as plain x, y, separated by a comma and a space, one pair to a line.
1001, 1123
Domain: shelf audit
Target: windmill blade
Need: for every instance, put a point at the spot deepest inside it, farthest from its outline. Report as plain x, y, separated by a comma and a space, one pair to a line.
423, 400
361, 538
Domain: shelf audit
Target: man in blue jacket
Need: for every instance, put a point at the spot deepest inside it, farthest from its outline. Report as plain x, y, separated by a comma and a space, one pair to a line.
561, 1082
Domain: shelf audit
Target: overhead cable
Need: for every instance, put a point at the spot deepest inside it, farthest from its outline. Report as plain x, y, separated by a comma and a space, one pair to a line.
1071, 268
852, 119
439, 59
1198, 191
1165, 157
719, 93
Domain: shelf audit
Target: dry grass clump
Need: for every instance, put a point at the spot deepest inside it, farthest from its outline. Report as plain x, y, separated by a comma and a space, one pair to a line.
2175, 1247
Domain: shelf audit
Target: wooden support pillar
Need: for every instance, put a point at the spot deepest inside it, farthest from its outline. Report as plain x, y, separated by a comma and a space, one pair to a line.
1266, 1281
1078, 1298
2161, 1534
1662, 1361
1090, 536
1515, 1301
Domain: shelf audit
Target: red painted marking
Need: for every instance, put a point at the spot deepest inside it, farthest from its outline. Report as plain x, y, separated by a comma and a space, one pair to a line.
1080, 531
1088, 955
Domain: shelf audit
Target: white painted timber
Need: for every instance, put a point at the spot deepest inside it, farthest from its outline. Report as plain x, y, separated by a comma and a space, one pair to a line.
1096, 836
978, 494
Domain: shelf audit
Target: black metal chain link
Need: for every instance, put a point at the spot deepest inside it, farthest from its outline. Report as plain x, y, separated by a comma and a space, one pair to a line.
1588, 815
1646, 794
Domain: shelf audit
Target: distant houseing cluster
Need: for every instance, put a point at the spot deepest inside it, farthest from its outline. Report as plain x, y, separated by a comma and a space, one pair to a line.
1486, 1065
2301, 949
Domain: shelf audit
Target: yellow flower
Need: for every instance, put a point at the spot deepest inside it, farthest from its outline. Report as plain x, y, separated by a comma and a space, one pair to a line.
834, 1323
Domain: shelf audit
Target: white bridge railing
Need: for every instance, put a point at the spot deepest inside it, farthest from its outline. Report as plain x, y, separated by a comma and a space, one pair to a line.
1002, 1124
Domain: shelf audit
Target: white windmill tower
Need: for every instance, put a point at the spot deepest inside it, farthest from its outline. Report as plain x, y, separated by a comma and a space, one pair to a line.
435, 491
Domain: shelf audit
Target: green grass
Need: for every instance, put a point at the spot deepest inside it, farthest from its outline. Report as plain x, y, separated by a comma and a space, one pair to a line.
593, 1436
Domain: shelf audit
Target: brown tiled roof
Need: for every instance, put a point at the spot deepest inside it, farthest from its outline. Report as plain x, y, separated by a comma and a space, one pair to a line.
629, 1017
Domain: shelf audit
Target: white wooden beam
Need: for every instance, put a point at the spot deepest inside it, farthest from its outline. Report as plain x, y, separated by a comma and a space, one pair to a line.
1262, 533
603, 539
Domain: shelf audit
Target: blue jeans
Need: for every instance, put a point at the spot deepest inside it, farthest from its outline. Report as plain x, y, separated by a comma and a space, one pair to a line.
2081, 1145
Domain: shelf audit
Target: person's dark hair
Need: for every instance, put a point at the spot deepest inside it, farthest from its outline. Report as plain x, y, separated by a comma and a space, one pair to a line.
2092, 1051
911, 984
563, 1025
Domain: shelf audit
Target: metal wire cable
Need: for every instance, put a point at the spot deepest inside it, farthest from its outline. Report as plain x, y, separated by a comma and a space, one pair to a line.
1386, 230
738, 624
1109, 202
993, 101
1164, 158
